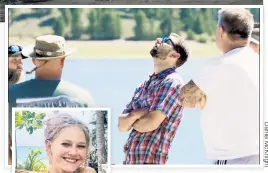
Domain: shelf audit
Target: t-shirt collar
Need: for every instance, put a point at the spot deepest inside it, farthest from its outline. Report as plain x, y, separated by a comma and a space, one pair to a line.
164, 73
233, 51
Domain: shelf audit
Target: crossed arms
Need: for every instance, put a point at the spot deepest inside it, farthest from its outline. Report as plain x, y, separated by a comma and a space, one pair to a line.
144, 120
141, 120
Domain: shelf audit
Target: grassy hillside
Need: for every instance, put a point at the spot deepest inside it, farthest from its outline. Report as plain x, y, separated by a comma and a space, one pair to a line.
26, 27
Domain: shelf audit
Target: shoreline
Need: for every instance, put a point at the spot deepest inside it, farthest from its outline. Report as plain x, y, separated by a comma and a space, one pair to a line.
121, 49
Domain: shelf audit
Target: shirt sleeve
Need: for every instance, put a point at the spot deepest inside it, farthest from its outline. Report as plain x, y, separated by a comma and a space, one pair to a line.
203, 75
129, 107
166, 98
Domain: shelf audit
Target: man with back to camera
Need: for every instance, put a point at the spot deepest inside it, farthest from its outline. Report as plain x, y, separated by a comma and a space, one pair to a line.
47, 89
154, 113
230, 93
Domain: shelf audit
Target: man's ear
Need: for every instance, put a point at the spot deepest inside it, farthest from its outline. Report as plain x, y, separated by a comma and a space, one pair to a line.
34, 61
62, 61
175, 54
221, 31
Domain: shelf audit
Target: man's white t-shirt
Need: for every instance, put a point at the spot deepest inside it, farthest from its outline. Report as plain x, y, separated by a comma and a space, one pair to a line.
230, 118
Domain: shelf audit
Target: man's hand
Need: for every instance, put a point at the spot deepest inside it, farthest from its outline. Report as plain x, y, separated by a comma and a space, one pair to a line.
191, 96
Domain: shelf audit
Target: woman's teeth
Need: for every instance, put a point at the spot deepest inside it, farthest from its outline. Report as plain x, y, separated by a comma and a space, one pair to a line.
70, 160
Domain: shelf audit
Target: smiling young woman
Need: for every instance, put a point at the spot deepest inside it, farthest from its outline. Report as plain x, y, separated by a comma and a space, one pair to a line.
67, 145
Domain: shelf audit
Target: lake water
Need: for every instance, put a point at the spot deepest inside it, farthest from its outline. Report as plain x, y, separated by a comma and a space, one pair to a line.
112, 83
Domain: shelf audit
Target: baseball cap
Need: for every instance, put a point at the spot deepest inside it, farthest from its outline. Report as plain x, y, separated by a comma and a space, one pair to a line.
15, 50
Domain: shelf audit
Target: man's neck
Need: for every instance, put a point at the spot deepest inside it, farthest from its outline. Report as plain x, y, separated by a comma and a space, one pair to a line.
232, 48
229, 47
40, 77
158, 69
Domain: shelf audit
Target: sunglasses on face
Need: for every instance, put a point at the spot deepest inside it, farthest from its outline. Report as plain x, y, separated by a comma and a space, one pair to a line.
14, 49
166, 39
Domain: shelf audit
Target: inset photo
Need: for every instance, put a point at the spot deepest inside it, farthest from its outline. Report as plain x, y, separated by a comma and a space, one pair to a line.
69, 140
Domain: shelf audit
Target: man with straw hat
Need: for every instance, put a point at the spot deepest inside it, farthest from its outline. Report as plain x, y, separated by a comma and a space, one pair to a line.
47, 89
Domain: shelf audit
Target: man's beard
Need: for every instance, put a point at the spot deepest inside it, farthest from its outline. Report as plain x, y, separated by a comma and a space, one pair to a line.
154, 52
159, 53
13, 76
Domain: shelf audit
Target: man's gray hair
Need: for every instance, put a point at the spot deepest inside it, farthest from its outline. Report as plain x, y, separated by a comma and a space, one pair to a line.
56, 123
237, 22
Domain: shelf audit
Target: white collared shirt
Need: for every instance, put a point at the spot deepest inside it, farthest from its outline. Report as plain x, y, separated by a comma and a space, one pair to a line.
230, 118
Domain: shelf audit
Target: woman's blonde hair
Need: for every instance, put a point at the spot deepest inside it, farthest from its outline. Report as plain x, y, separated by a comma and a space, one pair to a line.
54, 125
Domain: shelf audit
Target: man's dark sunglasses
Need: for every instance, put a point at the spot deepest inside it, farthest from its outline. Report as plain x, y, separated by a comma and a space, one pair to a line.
166, 39
14, 49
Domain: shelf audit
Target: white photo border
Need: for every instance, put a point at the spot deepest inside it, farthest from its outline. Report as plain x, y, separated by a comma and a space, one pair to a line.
14, 110
261, 70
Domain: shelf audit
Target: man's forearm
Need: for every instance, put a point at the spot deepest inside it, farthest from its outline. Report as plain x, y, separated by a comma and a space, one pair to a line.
142, 125
149, 122
126, 122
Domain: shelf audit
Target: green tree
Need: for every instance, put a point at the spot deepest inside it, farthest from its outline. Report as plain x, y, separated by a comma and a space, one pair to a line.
28, 120
11, 17
105, 24
142, 27
256, 14
166, 26
188, 16
59, 27
76, 24
191, 35
111, 28
215, 13
210, 22
33, 162
200, 26
118, 25
67, 16
150, 13
94, 26
42, 11
171, 22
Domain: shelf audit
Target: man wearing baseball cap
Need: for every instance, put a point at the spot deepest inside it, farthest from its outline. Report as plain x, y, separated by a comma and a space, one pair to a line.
47, 89
15, 73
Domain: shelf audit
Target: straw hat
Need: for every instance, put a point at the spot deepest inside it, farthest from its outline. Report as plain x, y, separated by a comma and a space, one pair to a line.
48, 47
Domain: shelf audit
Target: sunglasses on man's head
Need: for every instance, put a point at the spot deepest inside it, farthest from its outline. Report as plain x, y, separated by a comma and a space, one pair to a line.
166, 39
14, 49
